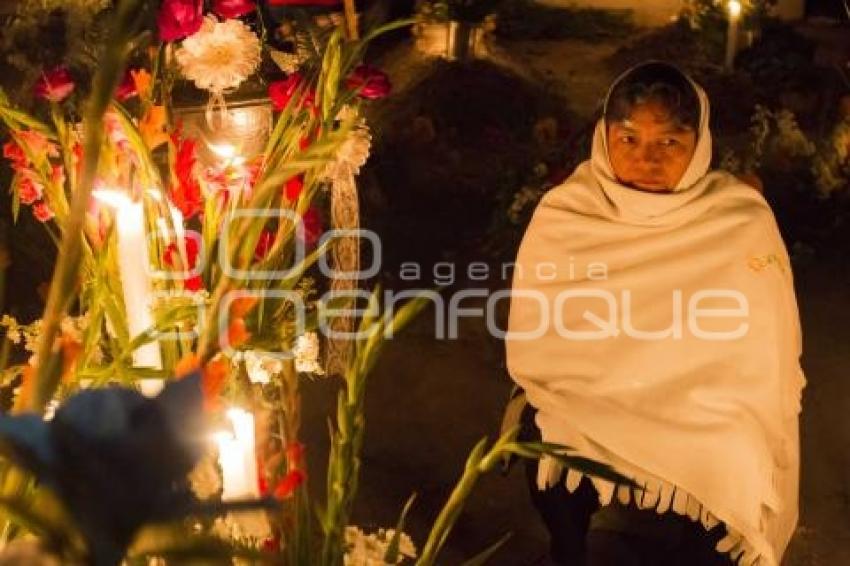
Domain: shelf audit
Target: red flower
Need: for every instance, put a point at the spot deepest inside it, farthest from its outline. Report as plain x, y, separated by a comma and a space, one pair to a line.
127, 89
185, 190
369, 82
288, 484
29, 190
233, 8
311, 227
272, 544
281, 92
264, 244
179, 18
55, 85
292, 188
171, 258
41, 211
14, 153
295, 455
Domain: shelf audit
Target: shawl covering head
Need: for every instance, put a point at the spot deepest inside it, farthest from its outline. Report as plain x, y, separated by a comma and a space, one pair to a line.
659, 333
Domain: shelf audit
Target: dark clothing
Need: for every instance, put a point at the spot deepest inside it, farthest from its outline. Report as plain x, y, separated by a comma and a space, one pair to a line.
583, 533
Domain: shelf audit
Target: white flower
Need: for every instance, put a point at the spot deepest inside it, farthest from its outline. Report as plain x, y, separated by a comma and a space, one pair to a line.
261, 368
371, 550
250, 527
352, 154
13, 329
205, 478
220, 55
306, 352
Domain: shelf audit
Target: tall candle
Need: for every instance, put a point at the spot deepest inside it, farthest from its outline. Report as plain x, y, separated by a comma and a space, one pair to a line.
134, 270
238, 459
134, 266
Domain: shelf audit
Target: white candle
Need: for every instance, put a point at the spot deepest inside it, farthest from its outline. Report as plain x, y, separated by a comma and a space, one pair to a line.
734, 7
134, 269
237, 458
134, 266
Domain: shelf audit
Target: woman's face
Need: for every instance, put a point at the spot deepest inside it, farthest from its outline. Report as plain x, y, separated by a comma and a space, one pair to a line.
648, 150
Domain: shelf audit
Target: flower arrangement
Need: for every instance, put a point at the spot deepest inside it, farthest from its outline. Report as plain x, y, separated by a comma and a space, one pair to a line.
184, 309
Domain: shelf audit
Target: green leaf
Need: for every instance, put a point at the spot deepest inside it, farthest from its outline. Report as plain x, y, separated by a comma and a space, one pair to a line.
372, 34
391, 556
485, 555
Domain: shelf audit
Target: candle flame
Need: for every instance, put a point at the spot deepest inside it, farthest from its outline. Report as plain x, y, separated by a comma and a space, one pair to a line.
223, 150
735, 9
112, 197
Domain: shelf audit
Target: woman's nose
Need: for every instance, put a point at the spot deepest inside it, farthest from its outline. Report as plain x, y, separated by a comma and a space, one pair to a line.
650, 153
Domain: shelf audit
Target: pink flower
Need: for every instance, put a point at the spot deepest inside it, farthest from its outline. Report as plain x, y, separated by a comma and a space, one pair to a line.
41, 211
233, 8
57, 176
127, 88
369, 82
55, 85
179, 18
38, 144
281, 92
29, 189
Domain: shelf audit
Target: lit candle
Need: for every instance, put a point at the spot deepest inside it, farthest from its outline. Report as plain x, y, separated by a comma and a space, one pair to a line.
134, 269
734, 7
237, 458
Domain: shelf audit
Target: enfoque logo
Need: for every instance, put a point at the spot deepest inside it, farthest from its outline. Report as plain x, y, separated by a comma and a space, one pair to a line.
566, 313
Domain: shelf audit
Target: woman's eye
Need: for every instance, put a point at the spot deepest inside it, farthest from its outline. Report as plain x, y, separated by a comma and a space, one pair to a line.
627, 139
669, 142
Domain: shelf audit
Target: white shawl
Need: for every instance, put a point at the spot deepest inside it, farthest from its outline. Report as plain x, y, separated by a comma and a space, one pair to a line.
709, 426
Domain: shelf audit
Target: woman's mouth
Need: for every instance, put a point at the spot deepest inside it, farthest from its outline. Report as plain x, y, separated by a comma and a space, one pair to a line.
649, 183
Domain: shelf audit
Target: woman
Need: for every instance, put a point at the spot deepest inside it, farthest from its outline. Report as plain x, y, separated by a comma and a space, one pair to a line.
654, 328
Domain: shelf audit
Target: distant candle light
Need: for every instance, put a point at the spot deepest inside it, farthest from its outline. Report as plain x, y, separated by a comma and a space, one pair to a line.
734, 8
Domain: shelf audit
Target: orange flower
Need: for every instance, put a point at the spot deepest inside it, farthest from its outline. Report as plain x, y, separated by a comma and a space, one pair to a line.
186, 365
152, 127
142, 81
242, 306
237, 334
23, 402
213, 377
71, 349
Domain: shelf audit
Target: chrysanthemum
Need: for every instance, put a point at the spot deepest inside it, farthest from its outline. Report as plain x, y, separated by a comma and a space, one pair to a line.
352, 153
220, 55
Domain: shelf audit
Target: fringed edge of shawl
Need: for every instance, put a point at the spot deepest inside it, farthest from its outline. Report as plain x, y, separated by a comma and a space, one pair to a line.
662, 497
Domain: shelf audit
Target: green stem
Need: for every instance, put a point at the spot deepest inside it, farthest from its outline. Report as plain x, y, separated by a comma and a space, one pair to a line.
64, 282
